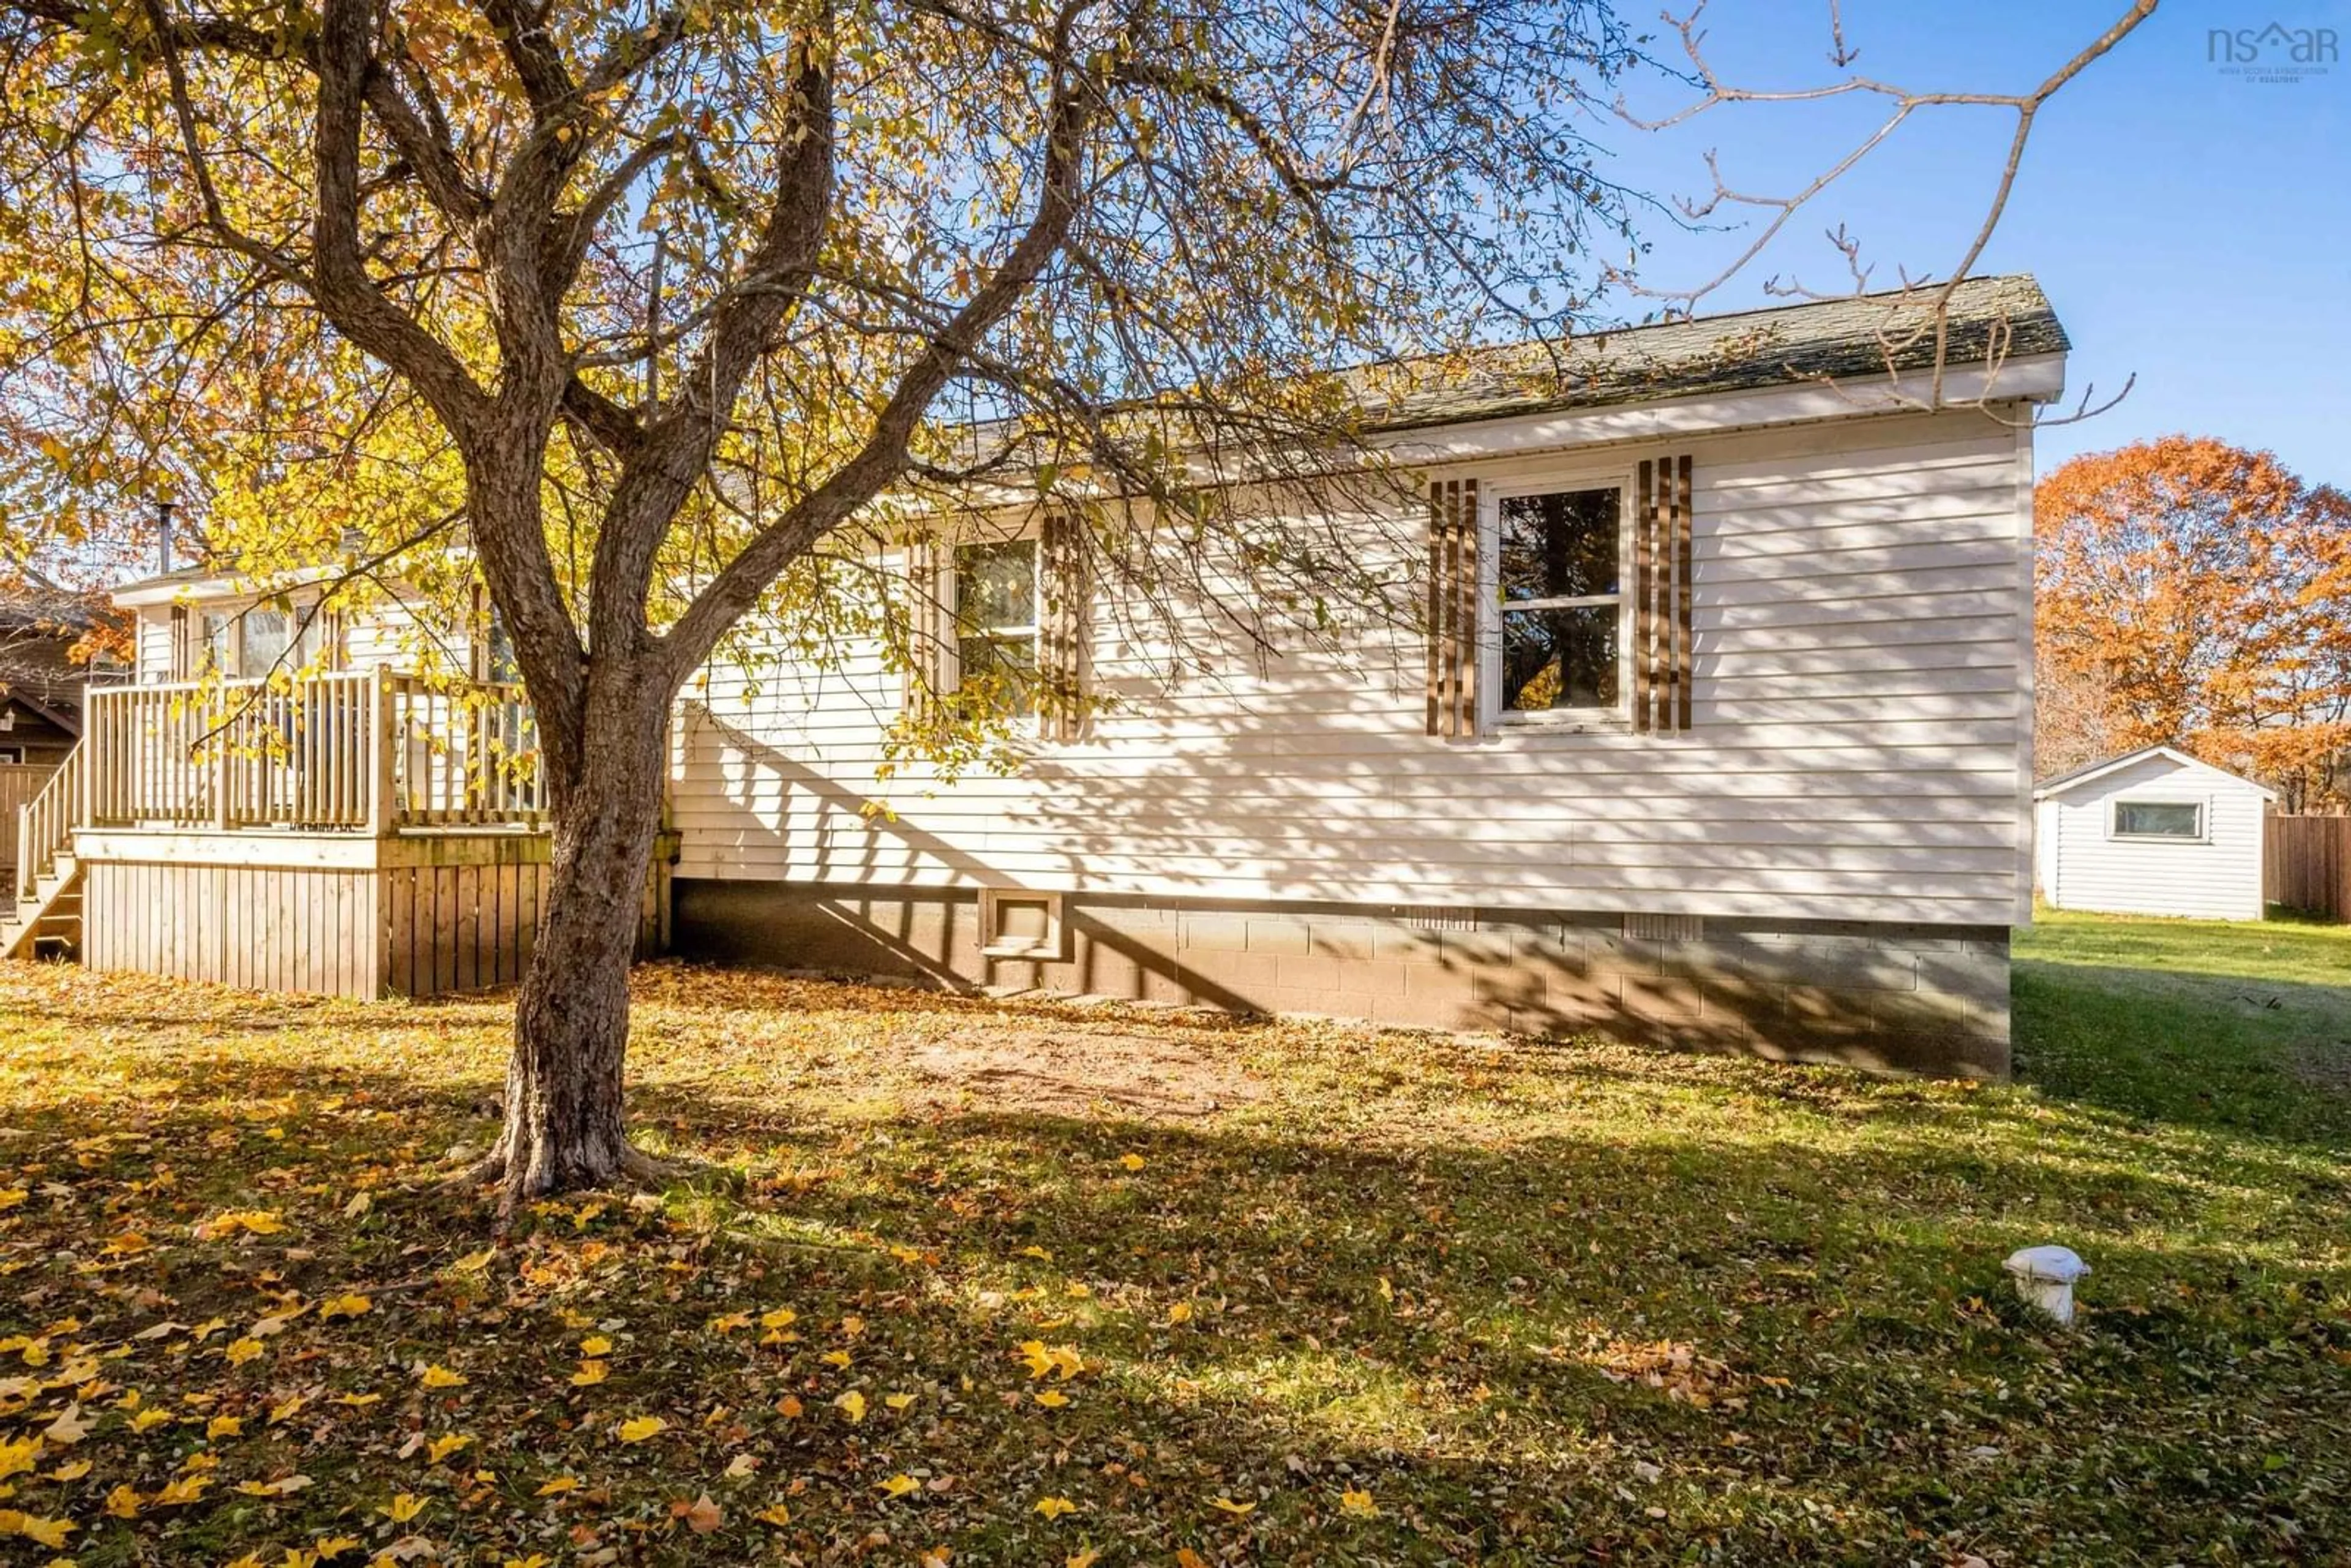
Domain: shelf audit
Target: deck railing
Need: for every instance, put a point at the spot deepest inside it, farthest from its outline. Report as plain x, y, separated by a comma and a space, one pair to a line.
44, 826
372, 751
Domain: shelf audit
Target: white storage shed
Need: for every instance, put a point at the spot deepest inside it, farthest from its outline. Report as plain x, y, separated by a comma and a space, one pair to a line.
2153, 832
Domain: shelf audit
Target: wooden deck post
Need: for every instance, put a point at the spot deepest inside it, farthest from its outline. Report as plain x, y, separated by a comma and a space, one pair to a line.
381, 817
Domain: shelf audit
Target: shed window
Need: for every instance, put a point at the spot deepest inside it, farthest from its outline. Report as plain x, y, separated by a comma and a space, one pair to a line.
1559, 577
996, 621
2159, 819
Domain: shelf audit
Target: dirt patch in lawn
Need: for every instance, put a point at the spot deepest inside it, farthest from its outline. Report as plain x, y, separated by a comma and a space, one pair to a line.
1152, 1076
2323, 1065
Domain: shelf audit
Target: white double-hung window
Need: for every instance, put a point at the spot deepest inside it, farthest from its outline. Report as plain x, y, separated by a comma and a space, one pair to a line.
1556, 650
996, 621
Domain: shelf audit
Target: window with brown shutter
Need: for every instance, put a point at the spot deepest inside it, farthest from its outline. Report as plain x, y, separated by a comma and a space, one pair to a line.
1004, 621
1661, 651
1062, 627
1452, 629
923, 659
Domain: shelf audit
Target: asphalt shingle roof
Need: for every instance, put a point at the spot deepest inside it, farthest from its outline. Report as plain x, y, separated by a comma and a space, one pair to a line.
1856, 338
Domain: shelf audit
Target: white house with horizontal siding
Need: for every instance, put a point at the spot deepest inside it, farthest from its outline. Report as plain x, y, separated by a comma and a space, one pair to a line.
1715, 732
2153, 832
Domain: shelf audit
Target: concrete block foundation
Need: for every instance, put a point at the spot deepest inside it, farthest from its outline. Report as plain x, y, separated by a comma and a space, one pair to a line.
1923, 1000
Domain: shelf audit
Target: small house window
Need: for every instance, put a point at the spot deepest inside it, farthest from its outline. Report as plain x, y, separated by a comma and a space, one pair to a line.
12, 756
267, 635
217, 627
996, 621
2159, 819
1559, 582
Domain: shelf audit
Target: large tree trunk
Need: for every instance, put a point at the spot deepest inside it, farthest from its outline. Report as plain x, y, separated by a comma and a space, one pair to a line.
565, 1126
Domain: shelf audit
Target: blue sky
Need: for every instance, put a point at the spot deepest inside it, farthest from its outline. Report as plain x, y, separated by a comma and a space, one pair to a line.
2192, 227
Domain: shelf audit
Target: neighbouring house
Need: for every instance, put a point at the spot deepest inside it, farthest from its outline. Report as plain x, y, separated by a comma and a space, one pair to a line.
41, 676
44, 632
2153, 832
1716, 732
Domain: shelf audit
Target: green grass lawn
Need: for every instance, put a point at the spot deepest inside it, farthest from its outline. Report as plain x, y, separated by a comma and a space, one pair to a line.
1231, 1293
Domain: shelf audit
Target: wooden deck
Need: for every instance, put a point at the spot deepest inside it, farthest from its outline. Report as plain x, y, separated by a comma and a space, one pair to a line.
352, 834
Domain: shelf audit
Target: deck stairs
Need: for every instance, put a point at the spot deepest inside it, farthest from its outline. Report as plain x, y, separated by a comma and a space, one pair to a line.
40, 917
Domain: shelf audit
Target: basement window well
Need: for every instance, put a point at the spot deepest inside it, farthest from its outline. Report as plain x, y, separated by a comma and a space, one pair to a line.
1017, 924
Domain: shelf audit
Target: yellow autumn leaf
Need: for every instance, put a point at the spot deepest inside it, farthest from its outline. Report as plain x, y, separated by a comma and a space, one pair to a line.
594, 1346
898, 1401
243, 1350
1358, 1503
789, 1407
181, 1492
1181, 1313
781, 1318
474, 1262
1037, 1252
69, 1428
1083, 1557
123, 1501
730, 1322
1131, 1161
249, 1221
835, 1358
591, 1374
1055, 1506
344, 1306
287, 1409
149, 1418
50, 1533
448, 1443
403, 1508
357, 1401
72, 1472
10, 1196
328, 1546
742, 1466
439, 1376
900, 1485
1051, 1398
224, 1426
852, 1404
777, 1515
18, 1455
1237, 1509
638, 1429
557, 1486
536, 1560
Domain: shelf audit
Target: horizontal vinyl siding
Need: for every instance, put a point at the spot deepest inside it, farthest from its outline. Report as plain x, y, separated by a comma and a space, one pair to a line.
1855, 755
2084, 867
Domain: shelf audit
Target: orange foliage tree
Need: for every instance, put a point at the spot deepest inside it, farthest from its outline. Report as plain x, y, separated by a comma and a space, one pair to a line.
2194, 592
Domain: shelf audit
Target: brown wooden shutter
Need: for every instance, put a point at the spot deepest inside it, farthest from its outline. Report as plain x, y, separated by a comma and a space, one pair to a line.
1660, 654
926, 659
1453, 608
1062, 626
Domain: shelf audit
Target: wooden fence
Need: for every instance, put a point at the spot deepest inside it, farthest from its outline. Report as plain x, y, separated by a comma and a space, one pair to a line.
2306, 864
19, 783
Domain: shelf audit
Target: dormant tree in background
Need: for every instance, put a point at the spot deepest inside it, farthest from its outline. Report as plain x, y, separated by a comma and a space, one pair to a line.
2196, 594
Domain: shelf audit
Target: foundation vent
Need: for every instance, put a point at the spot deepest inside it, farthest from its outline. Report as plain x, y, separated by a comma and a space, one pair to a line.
1665, 928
